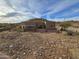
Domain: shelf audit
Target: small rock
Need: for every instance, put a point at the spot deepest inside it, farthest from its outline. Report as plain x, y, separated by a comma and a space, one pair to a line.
11, 46
40, 54
17, 58
24, 53
60, 57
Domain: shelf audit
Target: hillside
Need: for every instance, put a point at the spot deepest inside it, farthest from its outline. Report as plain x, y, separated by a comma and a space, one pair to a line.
28, 45
34, 23
16, 26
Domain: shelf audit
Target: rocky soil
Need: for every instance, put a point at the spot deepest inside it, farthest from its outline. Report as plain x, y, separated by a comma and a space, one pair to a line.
28, 45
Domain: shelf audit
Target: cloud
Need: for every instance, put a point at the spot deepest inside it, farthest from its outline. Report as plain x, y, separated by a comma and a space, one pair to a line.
15, 19
4, 7
21, 10
61, 5
13, 14
10, 14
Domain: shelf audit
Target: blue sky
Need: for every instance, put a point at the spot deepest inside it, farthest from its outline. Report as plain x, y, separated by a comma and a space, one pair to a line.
21, 10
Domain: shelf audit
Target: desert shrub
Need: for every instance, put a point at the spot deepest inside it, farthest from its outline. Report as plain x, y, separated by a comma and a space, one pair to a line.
19, 30
71, 33
65, 24
7, 27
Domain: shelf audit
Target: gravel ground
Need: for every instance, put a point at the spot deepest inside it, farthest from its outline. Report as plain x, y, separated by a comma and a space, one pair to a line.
28, 45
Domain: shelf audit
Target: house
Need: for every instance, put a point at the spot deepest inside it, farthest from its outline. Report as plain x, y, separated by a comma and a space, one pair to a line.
38, 25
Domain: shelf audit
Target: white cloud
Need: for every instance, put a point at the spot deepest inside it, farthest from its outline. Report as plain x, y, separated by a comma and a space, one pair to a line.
63, 4
5, 9
32, 8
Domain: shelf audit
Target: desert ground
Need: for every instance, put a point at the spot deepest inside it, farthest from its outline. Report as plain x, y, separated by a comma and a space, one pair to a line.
30, 45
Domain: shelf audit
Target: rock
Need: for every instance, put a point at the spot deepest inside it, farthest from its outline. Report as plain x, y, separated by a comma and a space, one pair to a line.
10, 46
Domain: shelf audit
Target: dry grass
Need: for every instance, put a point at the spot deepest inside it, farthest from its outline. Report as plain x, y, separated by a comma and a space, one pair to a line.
28, 45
